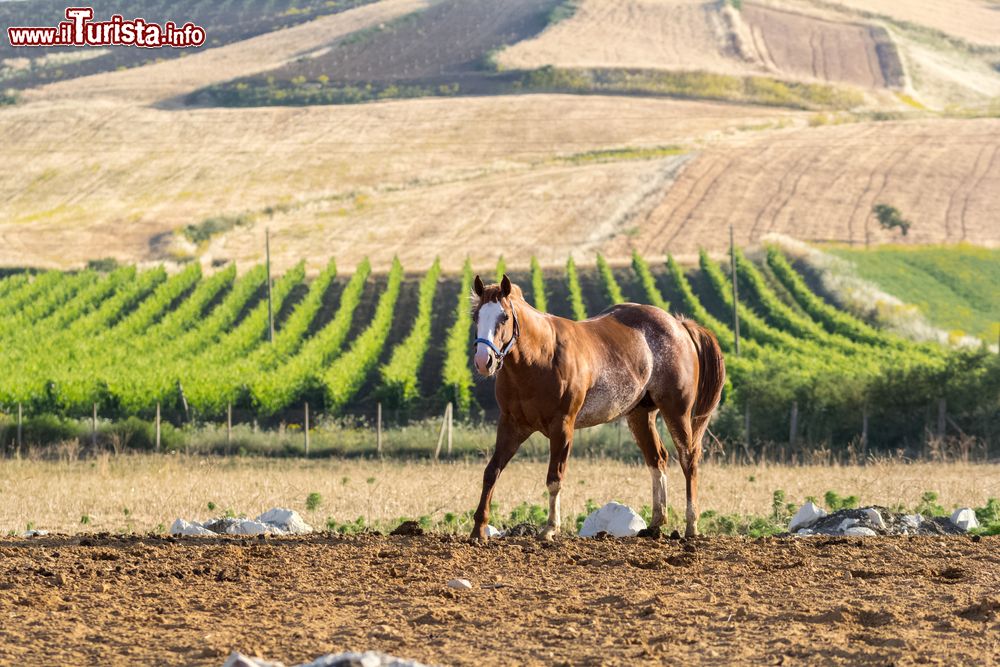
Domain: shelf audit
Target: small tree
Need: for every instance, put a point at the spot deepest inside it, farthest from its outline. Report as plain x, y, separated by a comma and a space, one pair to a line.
890, 217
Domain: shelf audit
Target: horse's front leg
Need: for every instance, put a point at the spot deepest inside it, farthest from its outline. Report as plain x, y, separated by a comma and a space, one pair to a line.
560, 444
509, 440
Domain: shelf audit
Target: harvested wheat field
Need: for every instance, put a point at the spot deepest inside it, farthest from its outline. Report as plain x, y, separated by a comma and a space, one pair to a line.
125, 186
976, 21
117, 601
686, 35
821, 184
802, 46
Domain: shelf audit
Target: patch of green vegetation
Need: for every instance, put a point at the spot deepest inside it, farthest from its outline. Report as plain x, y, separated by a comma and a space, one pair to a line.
104, 265
564, 10
928, 505
693, 85
313, 501
8, 98
527, 513
953, 286
621, 154
834, 501
890, 218
713, 523
209, 227
781, 509
989, 518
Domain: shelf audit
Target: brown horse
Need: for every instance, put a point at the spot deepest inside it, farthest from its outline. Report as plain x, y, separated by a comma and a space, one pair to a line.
554, 375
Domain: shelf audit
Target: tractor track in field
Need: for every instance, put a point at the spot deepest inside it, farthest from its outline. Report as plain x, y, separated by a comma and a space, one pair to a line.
126, 600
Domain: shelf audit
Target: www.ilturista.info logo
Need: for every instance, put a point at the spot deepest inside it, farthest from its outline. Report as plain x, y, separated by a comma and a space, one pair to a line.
79, 30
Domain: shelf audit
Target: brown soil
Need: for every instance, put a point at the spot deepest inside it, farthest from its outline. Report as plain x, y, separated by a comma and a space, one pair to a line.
72, 600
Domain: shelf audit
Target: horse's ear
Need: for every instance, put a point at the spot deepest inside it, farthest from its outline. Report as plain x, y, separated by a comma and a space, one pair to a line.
479, 287
505, 286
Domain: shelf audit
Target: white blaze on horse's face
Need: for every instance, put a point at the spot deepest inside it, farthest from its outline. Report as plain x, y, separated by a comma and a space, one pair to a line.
489, 322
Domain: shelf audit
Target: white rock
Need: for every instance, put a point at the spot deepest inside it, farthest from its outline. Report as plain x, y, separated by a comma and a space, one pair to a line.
182, 527
845, 524
875, 518
912, 521
288, 521
237, 659
35, 533
807, 515
366, 659
615, 519
463, 584
492, 531
965, 518
860, 531
250, 527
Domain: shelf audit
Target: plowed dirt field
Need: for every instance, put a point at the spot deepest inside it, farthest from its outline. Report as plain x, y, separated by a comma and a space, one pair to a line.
155, 600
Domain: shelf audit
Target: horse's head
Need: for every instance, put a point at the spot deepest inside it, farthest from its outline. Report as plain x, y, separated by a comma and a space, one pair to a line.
495, 318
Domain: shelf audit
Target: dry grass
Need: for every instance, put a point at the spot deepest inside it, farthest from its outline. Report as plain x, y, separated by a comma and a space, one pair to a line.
157, 489
394, 170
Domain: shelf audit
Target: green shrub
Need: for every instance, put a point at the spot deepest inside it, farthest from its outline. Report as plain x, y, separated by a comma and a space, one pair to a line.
575, 293
538, 286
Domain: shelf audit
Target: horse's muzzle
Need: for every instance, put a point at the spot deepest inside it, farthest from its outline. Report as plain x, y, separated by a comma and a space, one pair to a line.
485, 361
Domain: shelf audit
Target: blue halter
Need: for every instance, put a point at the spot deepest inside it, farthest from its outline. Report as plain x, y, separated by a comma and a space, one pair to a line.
500, 354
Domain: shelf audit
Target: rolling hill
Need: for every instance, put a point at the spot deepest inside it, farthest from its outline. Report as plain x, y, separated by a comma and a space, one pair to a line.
527, 128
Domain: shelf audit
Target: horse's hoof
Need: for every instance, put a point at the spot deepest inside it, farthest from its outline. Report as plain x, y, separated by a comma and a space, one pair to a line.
548, 534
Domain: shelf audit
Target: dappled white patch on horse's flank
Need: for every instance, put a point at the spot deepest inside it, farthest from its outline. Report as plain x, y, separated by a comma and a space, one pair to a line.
615, 519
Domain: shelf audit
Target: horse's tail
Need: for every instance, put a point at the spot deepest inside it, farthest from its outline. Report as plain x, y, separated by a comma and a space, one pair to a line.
711, 373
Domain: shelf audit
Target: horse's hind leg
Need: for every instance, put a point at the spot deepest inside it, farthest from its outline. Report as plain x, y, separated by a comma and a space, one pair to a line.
688, 456
642, 423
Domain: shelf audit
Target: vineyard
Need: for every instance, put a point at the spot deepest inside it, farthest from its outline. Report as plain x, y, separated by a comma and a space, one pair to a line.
127, 343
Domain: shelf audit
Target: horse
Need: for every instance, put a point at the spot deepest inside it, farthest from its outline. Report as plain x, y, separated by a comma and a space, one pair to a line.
554, 375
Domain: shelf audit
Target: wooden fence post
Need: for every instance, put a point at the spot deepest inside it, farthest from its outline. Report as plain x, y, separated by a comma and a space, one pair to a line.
942, 418
307, 430
444, 427
378, 428
451, 423
229, 428
93, 429
157, 426
19, 426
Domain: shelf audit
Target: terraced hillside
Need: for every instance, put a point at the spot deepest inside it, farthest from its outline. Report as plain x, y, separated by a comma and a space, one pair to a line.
196, 344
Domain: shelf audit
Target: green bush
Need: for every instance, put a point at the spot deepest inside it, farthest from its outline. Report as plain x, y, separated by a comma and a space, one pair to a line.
575, 293
399, 377
538, 286
457, 373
